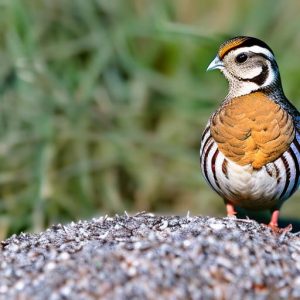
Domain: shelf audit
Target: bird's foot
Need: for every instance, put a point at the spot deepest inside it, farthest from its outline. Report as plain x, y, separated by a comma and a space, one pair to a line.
279, 230
274, 223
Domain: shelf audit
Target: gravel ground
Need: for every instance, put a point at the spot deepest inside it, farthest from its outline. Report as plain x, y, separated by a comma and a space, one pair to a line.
152, 257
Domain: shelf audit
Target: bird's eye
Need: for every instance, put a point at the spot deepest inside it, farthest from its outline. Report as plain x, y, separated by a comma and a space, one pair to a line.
242, 57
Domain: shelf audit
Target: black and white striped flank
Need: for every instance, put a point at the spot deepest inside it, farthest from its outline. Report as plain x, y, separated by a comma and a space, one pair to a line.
262, 188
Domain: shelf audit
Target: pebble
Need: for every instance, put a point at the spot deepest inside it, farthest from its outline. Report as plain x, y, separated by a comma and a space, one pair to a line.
216, 226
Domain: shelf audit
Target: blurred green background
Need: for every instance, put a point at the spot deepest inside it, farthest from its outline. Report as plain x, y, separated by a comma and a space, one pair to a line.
103, 103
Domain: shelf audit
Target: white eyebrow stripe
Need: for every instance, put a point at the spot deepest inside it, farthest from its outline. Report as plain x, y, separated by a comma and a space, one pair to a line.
255, 49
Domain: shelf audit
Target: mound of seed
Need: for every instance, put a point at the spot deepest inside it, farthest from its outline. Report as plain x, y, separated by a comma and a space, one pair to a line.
152, 257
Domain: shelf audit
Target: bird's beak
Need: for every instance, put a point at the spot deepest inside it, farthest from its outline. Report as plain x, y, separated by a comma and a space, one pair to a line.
215, 64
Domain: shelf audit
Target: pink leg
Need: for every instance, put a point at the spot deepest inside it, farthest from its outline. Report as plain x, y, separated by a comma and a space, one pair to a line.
230, 210
274, 223
274, 218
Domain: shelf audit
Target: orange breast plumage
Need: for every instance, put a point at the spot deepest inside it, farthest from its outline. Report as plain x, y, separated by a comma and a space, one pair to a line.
252, 129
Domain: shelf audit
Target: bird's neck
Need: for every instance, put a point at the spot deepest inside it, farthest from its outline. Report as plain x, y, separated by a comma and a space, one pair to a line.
241, 88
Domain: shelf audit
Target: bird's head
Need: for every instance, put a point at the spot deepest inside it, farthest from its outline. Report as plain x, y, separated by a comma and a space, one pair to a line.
248, 64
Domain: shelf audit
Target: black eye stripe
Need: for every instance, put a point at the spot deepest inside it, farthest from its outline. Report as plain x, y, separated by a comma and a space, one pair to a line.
240, 58
262, 55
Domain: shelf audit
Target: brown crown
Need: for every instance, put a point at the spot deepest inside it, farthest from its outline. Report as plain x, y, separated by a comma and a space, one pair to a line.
241, 41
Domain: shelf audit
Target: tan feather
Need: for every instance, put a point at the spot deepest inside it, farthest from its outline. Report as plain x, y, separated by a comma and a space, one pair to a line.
252, 129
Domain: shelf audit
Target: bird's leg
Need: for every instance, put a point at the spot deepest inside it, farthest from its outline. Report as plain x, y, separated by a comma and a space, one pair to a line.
274, 223
274, 219
230, 209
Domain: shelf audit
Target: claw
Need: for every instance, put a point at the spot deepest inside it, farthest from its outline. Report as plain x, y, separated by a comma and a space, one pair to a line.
279, 230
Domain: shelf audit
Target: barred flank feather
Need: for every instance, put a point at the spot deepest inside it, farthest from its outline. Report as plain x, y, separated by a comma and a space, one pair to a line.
244, 186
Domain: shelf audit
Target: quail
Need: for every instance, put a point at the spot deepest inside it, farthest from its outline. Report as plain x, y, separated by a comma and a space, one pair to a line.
250, 148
